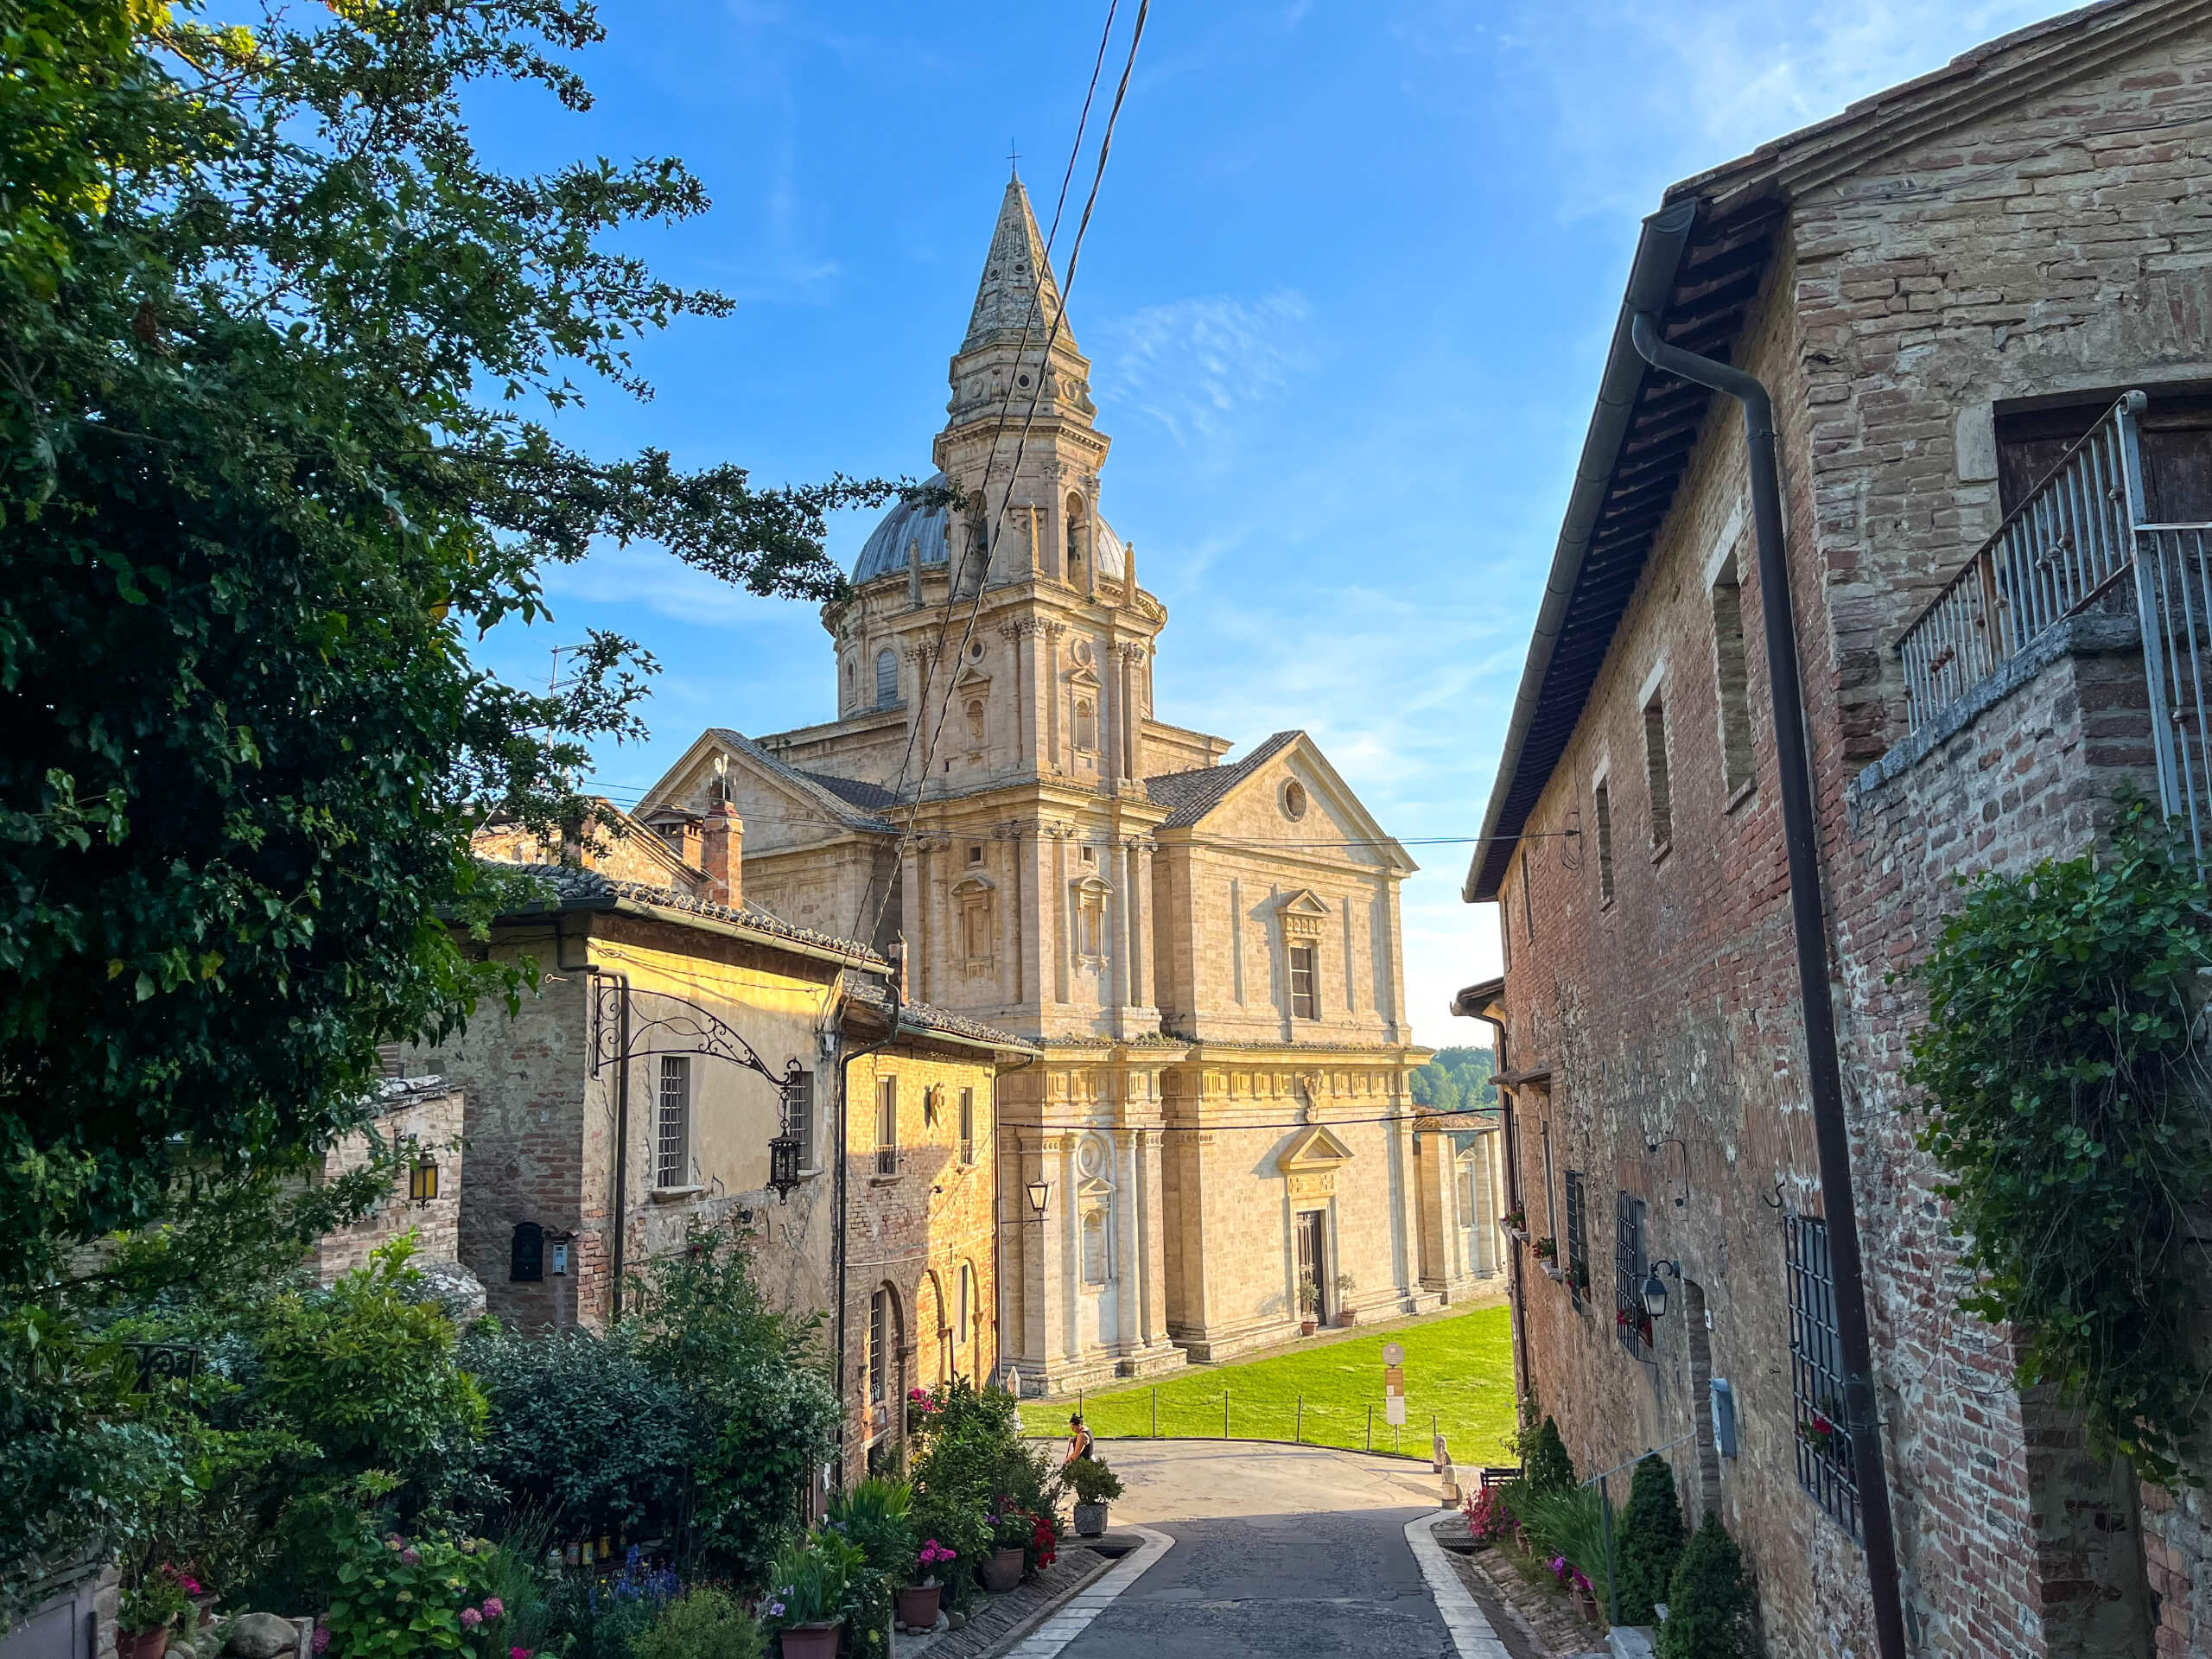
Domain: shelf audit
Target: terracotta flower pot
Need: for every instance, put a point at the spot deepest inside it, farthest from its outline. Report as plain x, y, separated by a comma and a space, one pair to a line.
1585, 1603
1002, 1570
146, 1644
917, 1606
812, 1641
1305, 1327
1349, 1316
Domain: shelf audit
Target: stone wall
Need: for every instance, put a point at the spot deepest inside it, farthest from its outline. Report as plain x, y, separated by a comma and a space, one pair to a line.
2061, 242
426, 1114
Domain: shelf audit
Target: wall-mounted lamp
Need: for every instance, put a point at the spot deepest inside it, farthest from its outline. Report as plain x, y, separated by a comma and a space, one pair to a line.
423, 1180
1655, 1288
1039, 1191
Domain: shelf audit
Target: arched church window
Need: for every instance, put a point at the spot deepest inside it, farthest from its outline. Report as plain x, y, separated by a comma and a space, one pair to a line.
886, 679
1086, 727
852, 678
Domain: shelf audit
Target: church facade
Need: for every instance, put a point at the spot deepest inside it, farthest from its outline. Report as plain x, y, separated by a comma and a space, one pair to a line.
1206, 952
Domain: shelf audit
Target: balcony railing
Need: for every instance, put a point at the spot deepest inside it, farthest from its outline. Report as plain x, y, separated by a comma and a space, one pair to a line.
2056, 553
2175, 573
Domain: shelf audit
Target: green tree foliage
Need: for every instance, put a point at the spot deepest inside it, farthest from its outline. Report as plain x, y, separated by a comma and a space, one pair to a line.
1708, 1600
1651, 1540
1549, 1468
1456, 1080
2066, 1102
582, 1425
276, 353
760, 1390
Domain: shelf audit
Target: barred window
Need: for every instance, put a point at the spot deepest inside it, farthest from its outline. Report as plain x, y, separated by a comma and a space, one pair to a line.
1578, 1251
878, 1338
1826, 1465
967, 1126
1630, 1317
798, 1117
886, 1126
673, 1161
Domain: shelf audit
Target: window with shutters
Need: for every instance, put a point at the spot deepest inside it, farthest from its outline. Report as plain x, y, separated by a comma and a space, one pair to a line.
886, 679
886, 1126
672, 1161
1304, 996
1655, 778
1826, 1465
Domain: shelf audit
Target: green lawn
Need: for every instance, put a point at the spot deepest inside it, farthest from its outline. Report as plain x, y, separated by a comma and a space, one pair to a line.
1458, 1369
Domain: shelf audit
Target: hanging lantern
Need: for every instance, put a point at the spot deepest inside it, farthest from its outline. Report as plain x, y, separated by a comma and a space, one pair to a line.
1039, 1191
423, 1180
782, 1165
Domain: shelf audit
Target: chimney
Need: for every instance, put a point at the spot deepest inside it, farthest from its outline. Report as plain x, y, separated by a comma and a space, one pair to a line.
721, 856
688, 841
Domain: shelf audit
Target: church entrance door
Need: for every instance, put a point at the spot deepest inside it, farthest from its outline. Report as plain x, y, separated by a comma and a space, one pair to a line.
1313, 1258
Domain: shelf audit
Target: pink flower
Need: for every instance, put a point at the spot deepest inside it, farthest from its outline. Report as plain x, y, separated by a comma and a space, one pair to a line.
411, 1557
471, 1617
322, 1638
517, 1653
494, 1608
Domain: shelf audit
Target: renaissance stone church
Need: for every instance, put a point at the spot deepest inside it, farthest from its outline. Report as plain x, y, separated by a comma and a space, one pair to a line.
1206, 950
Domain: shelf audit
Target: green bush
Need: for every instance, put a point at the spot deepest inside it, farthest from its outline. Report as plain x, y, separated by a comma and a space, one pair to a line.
1091, 1481
760, 1391
1650, 1541
615, 1454
1709, 1602
876, 1516
703, 1624
970, 1464
398, 1597
1549, 1468
812, 1580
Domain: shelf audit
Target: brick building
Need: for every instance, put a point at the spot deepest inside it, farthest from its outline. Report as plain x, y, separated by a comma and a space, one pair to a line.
1946, 290
622, 1106
422, 1117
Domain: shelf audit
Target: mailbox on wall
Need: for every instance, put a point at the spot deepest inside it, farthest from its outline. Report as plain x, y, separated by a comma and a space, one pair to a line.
1724, 1417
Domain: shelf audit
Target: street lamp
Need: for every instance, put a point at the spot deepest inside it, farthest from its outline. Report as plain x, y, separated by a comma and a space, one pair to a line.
1655, 1288
1039, 1191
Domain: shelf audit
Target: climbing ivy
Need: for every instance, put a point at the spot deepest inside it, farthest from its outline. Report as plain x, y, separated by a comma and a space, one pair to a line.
2067, 1105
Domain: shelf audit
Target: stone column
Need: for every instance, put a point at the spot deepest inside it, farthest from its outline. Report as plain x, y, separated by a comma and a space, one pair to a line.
1054, 905
1133, 910
1068, 1288
1129, 1241
1152, 1323
1051, 695
1016, 634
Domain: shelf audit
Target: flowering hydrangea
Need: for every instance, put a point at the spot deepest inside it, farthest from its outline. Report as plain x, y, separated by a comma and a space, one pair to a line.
471, 1617
494, 1608
321, 1642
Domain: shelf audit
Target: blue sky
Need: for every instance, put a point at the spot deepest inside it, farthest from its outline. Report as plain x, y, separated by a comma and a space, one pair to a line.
1346, 295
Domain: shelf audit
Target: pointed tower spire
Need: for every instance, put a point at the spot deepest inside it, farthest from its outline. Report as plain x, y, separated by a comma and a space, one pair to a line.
1017, 290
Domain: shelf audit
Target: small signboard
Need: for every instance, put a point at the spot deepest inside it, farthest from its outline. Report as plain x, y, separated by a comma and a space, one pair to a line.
1393, 1354
1393, 1384
1394, 1411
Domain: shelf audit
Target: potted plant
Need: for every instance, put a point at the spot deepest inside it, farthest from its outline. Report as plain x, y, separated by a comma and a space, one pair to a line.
918, 1602
1010, 1534
1548, 1256
1346, 1314
1309, 1298
150, 1608
1095, 1485
812, 1580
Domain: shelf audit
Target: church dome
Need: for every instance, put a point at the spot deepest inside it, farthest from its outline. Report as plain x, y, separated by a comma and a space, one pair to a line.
885, 552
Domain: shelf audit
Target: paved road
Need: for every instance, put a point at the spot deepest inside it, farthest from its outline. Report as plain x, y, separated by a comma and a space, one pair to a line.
1278, 1550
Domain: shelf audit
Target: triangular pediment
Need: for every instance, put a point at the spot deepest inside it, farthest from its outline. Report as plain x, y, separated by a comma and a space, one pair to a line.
1313, 1152
1304, 903
1284, 792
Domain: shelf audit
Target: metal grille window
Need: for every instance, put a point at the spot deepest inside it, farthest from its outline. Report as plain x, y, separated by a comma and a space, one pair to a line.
1578, 1251
1629, 1318
1825, 1462
672, 1162
798, 1117
1304, 1002
879, 1335
967, 1126
886, 1126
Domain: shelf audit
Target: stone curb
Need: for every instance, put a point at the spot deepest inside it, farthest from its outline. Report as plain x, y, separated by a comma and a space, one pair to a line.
1463, 1616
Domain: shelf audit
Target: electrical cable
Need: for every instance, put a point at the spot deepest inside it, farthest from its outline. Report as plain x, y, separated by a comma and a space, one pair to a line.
990, 540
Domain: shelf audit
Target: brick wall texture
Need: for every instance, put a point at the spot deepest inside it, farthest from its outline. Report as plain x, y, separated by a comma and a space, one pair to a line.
2055, 240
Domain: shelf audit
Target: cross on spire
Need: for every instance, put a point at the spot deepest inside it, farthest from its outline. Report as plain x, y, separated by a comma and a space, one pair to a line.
1012, 159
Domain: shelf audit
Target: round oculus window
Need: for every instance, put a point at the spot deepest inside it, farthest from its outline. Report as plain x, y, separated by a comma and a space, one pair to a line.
976, 652
1293, 800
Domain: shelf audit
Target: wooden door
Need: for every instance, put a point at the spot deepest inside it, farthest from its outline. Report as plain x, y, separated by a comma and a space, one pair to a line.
1313, 1259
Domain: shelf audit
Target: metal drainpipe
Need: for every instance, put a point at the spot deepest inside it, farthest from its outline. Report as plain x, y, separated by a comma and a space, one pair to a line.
1831, 1135
622, 1140
844, 1077
1512, 1203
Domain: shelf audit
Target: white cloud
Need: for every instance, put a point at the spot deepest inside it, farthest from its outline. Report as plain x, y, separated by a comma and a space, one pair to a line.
1631, 96
1194, 364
